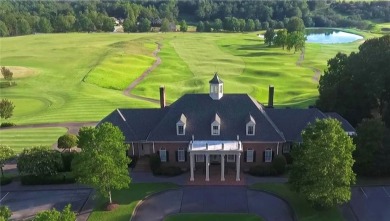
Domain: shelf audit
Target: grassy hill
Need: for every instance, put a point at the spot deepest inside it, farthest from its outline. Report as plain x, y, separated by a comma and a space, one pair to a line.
81, 77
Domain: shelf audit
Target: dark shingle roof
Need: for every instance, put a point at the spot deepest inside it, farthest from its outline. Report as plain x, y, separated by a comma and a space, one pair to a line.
135, 124
216, 79
200, 111
292, 121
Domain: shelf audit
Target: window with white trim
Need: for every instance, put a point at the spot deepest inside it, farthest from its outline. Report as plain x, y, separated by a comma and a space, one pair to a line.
249, 156
220, 88
199, 158
231, 158
163, 155
180, 129
215, 130
268, 156
181, 155
250, 130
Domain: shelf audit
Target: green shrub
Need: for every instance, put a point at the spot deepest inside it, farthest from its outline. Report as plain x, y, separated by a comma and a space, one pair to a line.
279, 164
67, 141
169, 171
5, 180
40, 161
5, 212
133, 162
54, 215
155, 163
61, 178
7, 124
262, 170
67, 158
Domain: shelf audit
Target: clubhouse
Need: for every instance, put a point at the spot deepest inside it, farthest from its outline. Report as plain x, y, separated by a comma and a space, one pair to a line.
233, 130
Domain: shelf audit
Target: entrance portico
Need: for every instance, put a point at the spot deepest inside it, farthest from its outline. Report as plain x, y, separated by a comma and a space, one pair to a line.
217, 150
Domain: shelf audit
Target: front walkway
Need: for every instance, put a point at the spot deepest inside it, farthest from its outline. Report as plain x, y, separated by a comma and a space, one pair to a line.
211, 199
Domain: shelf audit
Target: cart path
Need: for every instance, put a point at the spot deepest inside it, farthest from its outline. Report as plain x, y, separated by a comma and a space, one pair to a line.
128, 90
317, 72
71, 126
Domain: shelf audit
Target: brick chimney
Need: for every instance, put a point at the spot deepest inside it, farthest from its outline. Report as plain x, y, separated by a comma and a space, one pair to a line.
271, 96
162, 96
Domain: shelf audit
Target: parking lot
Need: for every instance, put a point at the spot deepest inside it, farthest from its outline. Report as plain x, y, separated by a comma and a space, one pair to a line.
368, 204
24, 204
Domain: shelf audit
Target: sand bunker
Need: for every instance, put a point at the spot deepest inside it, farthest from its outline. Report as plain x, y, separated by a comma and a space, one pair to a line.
20, 72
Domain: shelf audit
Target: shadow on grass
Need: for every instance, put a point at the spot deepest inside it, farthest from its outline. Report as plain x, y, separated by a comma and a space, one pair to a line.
265, 53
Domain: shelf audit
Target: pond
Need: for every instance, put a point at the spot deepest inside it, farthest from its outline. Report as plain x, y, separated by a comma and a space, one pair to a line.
330, 36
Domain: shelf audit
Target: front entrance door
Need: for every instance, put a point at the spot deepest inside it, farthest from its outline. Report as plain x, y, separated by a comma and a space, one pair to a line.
215, 159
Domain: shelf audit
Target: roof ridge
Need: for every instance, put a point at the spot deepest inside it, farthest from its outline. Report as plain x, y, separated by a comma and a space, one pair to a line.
127, 124
260, 107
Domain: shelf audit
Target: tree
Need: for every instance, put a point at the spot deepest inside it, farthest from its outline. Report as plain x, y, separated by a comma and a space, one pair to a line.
102, 163
250, 25
144, 25
296, 40
3, 30
7, 73
218, 25
265, 25
107, 24
5, 213
40, 161
23, 27
6, 153
164, 25
6, 108
257, 25
281, 38
295, 24
269, 36
129, 25
67, 141
357, 85
370, 147
44, 25
183, 26
200, 27
54, 215
322, 167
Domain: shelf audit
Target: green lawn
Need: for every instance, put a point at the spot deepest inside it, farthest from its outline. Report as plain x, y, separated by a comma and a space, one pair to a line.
19, 139
127, 200
301, 207
213, 217
80, 76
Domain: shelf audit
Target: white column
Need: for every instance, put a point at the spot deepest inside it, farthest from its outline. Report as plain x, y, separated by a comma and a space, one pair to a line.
192, 166
222, 167
153, 148
207, 167
238, 162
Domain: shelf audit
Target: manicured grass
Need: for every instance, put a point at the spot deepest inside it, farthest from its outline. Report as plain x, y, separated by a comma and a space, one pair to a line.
19, 139
76, 70
301, 207
127, 200
122, 64
213, 217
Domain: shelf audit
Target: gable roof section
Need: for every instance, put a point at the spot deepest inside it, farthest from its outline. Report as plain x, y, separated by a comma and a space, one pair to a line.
135, 124
293, 121
232, 109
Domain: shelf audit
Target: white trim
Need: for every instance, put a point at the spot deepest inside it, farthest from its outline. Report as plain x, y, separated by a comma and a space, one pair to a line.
181, 155
247, 129
248, 159
217, 131
163, 155
268, 155
178, 131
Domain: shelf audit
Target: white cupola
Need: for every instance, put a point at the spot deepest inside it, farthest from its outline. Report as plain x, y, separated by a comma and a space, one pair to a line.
216, 87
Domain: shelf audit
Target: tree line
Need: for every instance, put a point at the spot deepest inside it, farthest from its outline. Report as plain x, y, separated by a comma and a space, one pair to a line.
24, 17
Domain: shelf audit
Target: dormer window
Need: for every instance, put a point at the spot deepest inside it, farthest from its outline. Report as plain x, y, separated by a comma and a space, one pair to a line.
181, 125
216, 125
250, 126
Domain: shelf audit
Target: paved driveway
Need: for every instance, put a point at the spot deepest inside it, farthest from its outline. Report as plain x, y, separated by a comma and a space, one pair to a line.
368, 203
208, 199
24, 204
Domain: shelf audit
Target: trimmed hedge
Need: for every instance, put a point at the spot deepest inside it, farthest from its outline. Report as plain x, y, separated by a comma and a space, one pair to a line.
133, 162
61, 178
262, 170
5, 180
67, 158
155, 163
169, 171
279, 164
